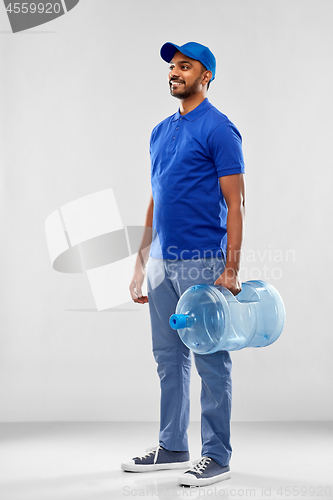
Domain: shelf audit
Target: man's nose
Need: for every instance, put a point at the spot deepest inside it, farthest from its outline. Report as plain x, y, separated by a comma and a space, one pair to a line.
173, 74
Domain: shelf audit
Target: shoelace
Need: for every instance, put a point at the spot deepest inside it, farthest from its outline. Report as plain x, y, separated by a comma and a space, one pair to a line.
199, 467
151, 451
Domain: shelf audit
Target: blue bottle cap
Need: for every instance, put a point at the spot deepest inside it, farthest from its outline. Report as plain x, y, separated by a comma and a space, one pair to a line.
178, 321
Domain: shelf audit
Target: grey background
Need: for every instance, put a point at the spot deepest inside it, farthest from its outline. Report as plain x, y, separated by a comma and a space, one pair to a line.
79, 97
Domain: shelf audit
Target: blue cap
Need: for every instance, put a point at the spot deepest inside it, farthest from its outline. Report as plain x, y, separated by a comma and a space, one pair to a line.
178, 321
193, 50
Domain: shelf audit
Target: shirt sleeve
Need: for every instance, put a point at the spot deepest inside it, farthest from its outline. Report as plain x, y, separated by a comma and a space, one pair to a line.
151, 140
225, 143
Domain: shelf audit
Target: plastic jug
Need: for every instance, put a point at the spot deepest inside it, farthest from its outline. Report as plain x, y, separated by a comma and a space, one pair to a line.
210, 318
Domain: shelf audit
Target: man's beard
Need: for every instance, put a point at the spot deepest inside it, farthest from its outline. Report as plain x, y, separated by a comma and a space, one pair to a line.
186, 92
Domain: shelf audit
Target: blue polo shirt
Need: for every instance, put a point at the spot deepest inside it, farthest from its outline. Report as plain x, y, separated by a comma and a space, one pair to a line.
188, 155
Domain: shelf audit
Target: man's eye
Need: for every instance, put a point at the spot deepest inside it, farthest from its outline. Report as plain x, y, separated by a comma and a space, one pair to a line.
184, 67
171, 68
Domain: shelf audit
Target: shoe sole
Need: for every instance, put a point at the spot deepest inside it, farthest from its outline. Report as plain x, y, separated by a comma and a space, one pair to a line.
191, 480
152, 467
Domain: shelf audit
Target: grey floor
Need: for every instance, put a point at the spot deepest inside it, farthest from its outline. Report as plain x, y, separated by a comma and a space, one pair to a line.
271, 461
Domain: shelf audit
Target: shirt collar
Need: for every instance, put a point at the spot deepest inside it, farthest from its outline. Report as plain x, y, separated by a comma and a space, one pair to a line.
204, 106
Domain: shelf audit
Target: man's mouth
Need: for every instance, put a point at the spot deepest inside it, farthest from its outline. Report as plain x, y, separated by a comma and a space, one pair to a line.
175, 83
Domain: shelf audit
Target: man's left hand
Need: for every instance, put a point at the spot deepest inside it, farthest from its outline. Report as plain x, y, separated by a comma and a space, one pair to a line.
230, 280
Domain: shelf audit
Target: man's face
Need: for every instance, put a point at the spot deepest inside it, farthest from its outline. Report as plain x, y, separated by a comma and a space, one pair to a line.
185, 76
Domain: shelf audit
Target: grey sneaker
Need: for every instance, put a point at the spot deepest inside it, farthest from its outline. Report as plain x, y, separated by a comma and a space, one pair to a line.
205, 472
158, 459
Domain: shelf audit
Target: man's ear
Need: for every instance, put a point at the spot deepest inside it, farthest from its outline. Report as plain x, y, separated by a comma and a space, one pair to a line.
207, 76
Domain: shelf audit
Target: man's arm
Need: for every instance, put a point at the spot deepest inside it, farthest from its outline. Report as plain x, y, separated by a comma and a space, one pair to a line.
233, 190
142, 257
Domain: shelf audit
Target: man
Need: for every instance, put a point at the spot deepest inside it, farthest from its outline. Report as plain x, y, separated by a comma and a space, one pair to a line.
196, 213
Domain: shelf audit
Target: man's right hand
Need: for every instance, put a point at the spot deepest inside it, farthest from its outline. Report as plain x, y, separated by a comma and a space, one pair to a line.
136, 285
142, 257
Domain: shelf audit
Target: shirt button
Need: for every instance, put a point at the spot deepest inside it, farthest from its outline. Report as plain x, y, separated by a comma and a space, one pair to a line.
177, 128
173, 138
180, 118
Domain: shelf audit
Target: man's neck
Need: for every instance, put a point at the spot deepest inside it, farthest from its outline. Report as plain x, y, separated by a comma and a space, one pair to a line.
187, 105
